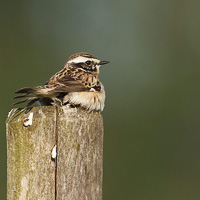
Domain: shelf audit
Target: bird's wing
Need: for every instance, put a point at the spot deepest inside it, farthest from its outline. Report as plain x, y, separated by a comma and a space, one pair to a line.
67, 84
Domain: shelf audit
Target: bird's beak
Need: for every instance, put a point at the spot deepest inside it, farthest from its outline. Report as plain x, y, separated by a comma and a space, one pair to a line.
103, 62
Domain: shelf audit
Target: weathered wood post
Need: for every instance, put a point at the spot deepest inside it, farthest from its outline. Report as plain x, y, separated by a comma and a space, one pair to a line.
76, 173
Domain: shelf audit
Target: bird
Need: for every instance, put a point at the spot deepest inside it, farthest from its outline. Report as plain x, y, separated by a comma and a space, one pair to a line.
77, 84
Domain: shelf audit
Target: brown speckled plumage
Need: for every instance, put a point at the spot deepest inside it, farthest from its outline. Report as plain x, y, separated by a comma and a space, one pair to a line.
76, 84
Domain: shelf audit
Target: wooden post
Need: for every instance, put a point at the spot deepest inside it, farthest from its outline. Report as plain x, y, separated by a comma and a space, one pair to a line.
75, 173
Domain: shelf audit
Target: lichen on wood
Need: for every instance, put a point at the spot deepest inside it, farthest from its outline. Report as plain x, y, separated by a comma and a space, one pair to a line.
76, 173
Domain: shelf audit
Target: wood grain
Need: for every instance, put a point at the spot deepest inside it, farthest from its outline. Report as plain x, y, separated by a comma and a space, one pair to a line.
77, 171
80, 155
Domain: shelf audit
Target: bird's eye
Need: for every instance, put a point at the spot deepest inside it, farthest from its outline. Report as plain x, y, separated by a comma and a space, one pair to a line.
88, 62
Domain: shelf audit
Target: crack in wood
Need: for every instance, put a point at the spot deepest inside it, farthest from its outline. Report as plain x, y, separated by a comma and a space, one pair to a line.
76, 174
56, 139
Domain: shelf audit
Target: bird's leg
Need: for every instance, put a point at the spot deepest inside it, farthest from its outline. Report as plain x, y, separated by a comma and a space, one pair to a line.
57, 102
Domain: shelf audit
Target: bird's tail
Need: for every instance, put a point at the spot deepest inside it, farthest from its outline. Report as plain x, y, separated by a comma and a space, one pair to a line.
29, 96
27, 90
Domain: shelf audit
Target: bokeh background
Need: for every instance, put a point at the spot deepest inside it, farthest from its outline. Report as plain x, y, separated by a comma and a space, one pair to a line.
152, 113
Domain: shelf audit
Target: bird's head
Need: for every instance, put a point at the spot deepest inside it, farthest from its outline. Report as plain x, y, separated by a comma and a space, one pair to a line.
86, 62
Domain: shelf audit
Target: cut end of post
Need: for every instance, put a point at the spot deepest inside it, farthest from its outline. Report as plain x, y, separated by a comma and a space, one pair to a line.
71, 136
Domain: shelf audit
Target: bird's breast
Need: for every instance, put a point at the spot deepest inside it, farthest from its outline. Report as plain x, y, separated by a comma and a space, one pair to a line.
91, 100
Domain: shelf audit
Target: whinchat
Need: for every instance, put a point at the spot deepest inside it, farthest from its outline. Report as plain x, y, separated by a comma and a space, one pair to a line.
77, 84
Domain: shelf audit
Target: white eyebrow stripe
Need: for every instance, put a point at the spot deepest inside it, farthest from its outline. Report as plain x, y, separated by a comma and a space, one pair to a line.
82, 59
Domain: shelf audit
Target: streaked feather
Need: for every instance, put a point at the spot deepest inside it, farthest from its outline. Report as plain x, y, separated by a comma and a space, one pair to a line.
25, 100
25, 90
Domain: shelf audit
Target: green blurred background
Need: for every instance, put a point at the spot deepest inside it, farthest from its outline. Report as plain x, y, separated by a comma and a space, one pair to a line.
152, 113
